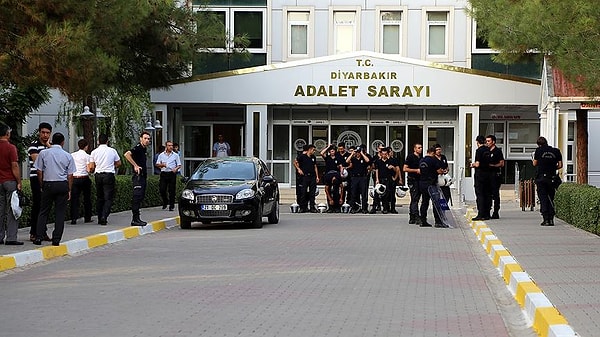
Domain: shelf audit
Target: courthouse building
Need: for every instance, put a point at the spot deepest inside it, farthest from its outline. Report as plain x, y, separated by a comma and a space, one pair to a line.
361, 73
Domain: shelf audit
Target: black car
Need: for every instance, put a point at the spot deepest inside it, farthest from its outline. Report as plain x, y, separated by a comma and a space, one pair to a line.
239, 189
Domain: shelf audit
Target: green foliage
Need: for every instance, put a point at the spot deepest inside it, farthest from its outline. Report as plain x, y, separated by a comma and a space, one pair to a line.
122, 201
567, 32
579, 205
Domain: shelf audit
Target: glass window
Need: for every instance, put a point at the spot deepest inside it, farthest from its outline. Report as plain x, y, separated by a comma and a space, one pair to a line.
496, 129
298, 23
249, 24
523, 133
211, 21
281, 143
344, 32
436, 25
441, 114
391, 32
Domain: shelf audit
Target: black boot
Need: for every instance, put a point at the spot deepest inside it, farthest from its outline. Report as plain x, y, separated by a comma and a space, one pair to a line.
136, 221
424, 222
547, 221
411, 219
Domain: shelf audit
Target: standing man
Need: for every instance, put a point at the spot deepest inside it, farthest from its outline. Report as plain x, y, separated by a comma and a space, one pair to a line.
104, 161
483, 191
345, 180
495, 174
359, 161
55, 168
307, 169
429, 167
547, 160
333, 180
221, 148
411, 167
137, 158
444, 165
43, 142
81, 183
386, 173
10, 181
169, 164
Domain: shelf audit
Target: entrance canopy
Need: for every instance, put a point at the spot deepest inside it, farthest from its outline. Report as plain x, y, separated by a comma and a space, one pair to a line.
360, 78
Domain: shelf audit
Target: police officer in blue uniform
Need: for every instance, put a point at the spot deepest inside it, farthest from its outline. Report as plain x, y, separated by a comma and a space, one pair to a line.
429, 166
411, 167
547, 160
359, 162
307, 169
333, 180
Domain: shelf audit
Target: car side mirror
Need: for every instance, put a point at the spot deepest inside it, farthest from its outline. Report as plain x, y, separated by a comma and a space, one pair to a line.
268, 179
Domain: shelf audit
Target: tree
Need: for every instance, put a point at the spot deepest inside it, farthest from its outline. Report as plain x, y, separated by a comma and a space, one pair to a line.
567, 33
102, 49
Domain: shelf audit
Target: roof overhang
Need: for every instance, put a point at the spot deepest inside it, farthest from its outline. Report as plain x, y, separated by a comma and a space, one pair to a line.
360, 78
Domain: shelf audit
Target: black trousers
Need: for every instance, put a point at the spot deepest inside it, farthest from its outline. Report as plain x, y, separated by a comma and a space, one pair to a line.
36, 199
139, 192
105, 194
53, 193
360, 191
483, 194
81, 186
166, 186
415, 196
424, 188
496, 182
546, 192
308, 189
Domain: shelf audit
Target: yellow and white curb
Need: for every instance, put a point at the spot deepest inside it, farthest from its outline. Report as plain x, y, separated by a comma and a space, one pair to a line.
545, 318
75, 246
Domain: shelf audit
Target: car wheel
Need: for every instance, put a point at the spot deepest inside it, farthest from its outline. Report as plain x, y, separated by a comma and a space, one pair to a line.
257, 222
185, 224
274, 216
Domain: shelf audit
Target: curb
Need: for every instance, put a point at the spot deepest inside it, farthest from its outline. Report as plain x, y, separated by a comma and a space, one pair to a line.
545, 318
75, 246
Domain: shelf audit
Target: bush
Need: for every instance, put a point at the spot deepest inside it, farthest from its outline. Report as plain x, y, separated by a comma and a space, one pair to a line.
579, 205
122, 201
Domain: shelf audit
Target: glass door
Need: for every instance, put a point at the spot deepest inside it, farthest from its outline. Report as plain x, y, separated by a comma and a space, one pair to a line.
445, 137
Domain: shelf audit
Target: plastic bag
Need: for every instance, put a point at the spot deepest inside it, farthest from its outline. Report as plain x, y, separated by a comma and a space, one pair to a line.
15, 204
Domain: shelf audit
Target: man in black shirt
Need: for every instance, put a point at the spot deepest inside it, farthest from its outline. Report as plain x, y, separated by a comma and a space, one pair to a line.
306, 166
411, 167
430, 168
387, 173
333, 181
137, 158
495, 165
547, 159
345, 181
359, 167
483, 193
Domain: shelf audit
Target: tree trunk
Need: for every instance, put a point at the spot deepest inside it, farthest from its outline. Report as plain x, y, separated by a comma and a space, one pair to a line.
582, 146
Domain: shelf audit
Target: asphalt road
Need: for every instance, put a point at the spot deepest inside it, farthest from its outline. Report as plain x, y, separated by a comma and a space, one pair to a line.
310, 275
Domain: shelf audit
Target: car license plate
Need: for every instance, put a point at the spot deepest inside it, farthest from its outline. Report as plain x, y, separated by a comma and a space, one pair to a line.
214, 207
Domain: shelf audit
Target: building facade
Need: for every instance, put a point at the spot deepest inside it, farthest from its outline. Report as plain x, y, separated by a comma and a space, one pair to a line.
362, 73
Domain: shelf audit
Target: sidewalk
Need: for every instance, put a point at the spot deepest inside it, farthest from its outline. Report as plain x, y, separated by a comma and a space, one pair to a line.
84, 236
560, 262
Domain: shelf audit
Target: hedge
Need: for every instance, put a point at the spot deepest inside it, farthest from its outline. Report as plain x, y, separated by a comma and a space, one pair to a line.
121, 202
579, 205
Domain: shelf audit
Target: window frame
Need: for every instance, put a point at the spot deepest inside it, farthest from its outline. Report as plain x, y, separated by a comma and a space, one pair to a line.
230, 28
310, 38
333, 27
403, 43
448, 38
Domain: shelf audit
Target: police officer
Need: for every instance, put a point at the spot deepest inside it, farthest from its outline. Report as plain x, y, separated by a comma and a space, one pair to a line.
429, 166
307, 169
376, 196
333, 180
386, 173
548, 160
411, 167
359, 166
444, 165
483, 193
495, 165
345, 181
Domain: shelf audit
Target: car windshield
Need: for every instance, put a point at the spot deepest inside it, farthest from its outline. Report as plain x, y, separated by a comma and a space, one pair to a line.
225, 170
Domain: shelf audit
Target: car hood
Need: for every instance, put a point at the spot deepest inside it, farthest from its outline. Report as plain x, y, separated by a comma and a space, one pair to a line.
219, 186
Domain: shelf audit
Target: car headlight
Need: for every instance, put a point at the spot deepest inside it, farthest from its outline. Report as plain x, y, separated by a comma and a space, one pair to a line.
244, 194
188, 194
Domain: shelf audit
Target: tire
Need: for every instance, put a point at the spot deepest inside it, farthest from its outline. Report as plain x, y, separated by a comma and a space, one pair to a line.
274, 216
257, 222
185, 224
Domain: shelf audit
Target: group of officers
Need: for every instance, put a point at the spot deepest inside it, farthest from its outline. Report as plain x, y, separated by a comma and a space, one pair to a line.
348, 173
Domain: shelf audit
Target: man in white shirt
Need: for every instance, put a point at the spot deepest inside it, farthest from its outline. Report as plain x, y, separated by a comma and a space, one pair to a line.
104, 161
81, 183
169, 164
221, 148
